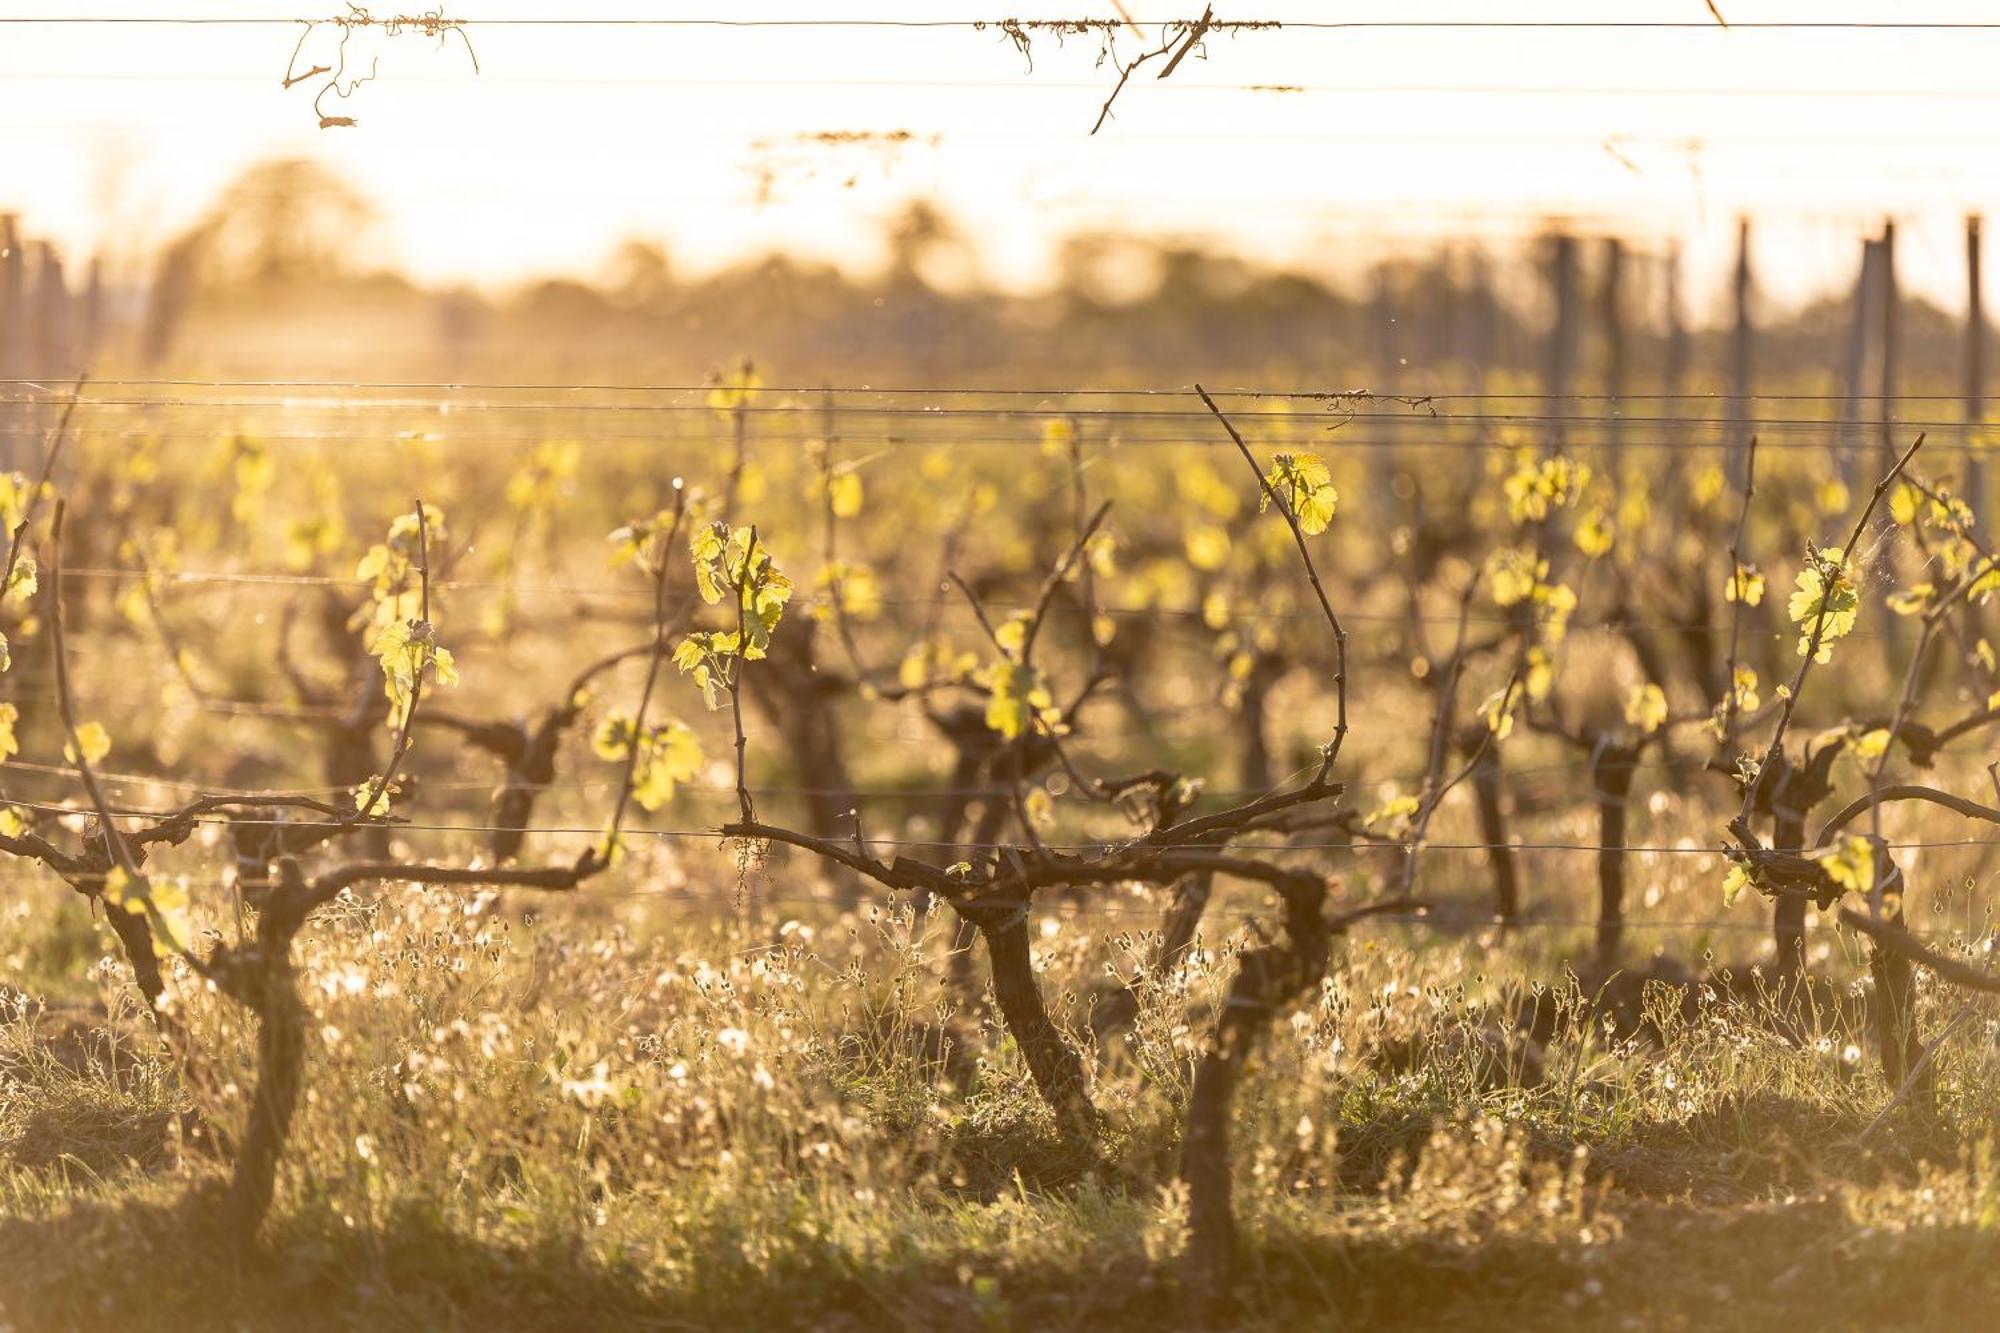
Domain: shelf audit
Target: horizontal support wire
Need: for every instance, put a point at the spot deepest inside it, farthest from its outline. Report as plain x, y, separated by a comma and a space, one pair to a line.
1101, 846
591, 785
197, 578
1341, 407
601, 440
1034, 26
1418, 410
1514, 778
1038, 84
1440, 921
59, 389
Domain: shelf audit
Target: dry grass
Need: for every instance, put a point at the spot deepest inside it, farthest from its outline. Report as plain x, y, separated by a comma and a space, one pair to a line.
682, 1099
614, 1118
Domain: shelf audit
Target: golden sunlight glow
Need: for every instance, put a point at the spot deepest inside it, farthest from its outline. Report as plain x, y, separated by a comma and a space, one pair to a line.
1321, 146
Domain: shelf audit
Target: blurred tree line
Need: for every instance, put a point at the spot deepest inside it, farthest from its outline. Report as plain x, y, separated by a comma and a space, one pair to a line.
280, 276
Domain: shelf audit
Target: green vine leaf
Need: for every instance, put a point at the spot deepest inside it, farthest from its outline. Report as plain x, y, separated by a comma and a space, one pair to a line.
1016, 698
409, 652
1850, 863
1304, 485
1824, 596
1536, 488
1745, 585
669, 755
92, 740
1646, 708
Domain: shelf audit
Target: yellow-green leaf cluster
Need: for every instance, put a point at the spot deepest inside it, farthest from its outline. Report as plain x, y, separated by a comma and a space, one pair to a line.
163, 905
643, 542
409, 653
1850, 863
1904, 502
1393, 816
545, 479
728, 559
92, 742
1737, 879
1745, 585
1513, 573
1497, 709
704, 656
935, 662
730, 391
393, 568
1304, 485
1742, 698
1646, 707
1910, 601
1536, 488
849, 588
373, 798
1595, 534
1016, 698
844, 492
254, 472
16, 494
1824, 603
669, 754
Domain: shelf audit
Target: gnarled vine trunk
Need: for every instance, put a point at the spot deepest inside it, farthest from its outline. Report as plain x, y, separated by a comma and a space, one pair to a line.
1795, 789
1611, 770
135, 937
1052, 1062
1896, 1009
797, 698
1177, 931
261, 978
1788, 913
1267, 979
1191, 893
263, 981
1487, 796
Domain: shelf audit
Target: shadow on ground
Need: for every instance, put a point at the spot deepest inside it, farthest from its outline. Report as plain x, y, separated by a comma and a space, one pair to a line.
1807, 1263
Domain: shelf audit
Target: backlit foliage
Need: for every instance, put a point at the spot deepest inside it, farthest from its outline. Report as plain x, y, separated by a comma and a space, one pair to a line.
669, 754
746, 1063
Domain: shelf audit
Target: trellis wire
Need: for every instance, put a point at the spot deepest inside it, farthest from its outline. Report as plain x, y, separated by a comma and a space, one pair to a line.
1050, 25
1420, 409
1103, 845
58, 387
724, 901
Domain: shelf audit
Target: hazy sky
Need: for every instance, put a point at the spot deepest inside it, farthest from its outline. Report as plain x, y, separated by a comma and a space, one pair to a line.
572, 137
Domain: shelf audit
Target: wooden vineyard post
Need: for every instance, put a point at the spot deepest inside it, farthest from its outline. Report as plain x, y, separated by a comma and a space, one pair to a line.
1742, 361
1612, 299
1612, 767
13, 338
90, 321
1482, 332
1561, 351
1674, 370
52, 358
1975, 368
1382, 312
1885, 409
47, 317
1849, 437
